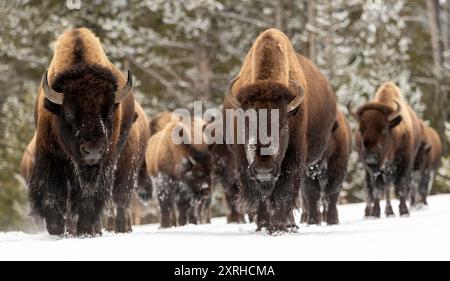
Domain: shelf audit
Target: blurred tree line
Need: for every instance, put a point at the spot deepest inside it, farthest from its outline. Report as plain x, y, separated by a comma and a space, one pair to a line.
185, 50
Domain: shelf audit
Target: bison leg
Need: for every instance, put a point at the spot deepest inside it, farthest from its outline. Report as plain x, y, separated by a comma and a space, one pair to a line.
89, 218
401, 191
122, 192
311, 191
426, 183
48, 192
388, 211
204, 210
283, 201
304, 215
376, 210
368, 212
167, 206
331, 211
184, 214
262, 217
235, 215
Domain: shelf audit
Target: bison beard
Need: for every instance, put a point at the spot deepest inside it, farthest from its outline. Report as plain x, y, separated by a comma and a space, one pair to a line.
273, 201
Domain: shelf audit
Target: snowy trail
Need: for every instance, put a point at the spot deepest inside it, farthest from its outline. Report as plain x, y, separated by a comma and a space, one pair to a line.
424, 235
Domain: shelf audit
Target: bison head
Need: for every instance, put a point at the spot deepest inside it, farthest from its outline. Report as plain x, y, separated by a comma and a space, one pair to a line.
376, 122
83, 100
195, 169
273, 104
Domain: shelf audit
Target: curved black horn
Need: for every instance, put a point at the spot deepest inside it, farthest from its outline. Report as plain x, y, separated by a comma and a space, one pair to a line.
122, 94
49, 93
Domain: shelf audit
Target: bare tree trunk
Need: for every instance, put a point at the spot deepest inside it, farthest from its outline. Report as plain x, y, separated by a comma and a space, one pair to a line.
203, 82
311, 7
433, 25
446, 26
279, 15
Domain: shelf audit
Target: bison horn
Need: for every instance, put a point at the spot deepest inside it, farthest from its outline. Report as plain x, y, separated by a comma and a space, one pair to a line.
298, 99
122, 94
396, 112
49, 93
350, 110
234, 102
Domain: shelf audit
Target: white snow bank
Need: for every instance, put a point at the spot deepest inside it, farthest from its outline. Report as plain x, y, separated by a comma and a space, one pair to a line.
424, 235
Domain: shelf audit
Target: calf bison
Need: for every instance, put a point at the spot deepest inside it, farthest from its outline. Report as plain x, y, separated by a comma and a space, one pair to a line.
274, 77
387, 142
87, 146
180, 172
427, 162
327, 177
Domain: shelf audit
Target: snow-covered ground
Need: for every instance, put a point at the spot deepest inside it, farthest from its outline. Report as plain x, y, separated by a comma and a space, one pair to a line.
423, 235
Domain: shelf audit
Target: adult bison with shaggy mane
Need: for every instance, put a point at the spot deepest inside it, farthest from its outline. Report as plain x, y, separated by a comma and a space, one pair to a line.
87, 146
387, 142
180, 172
273, 76
426, 164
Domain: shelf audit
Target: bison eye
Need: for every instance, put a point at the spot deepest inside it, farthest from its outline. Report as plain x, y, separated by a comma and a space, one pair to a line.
68, 116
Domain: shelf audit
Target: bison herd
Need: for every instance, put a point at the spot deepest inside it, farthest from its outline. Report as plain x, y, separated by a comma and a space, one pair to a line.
94, 146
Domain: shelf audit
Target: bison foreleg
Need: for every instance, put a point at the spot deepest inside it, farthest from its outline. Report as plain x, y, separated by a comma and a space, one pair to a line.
426, 183
124, 184
235, 214
262, 216
48, 193
89, 216
388, 209
311, 196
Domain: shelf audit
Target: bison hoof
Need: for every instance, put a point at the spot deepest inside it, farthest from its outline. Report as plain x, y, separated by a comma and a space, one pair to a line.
389, 212
332, 220
313, 220
55, 229
122, 228
110, 224
404, 212
55, 224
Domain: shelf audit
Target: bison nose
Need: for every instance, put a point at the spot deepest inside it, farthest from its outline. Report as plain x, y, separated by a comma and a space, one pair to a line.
91, 153
372, 159
263, 173
205, 189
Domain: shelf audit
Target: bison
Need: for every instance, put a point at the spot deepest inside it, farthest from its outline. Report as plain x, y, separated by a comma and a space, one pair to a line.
329, 174
273, 76
425, 165
180, 172
87, 146
387, 142
225, 173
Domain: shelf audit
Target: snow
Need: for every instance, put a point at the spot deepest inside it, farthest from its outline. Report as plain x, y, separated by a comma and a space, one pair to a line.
423, 235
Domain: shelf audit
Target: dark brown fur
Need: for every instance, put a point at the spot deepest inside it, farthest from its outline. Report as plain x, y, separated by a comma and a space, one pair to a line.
426, 164
81, 70
387, 148
181, 177
329, 175
264, 83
